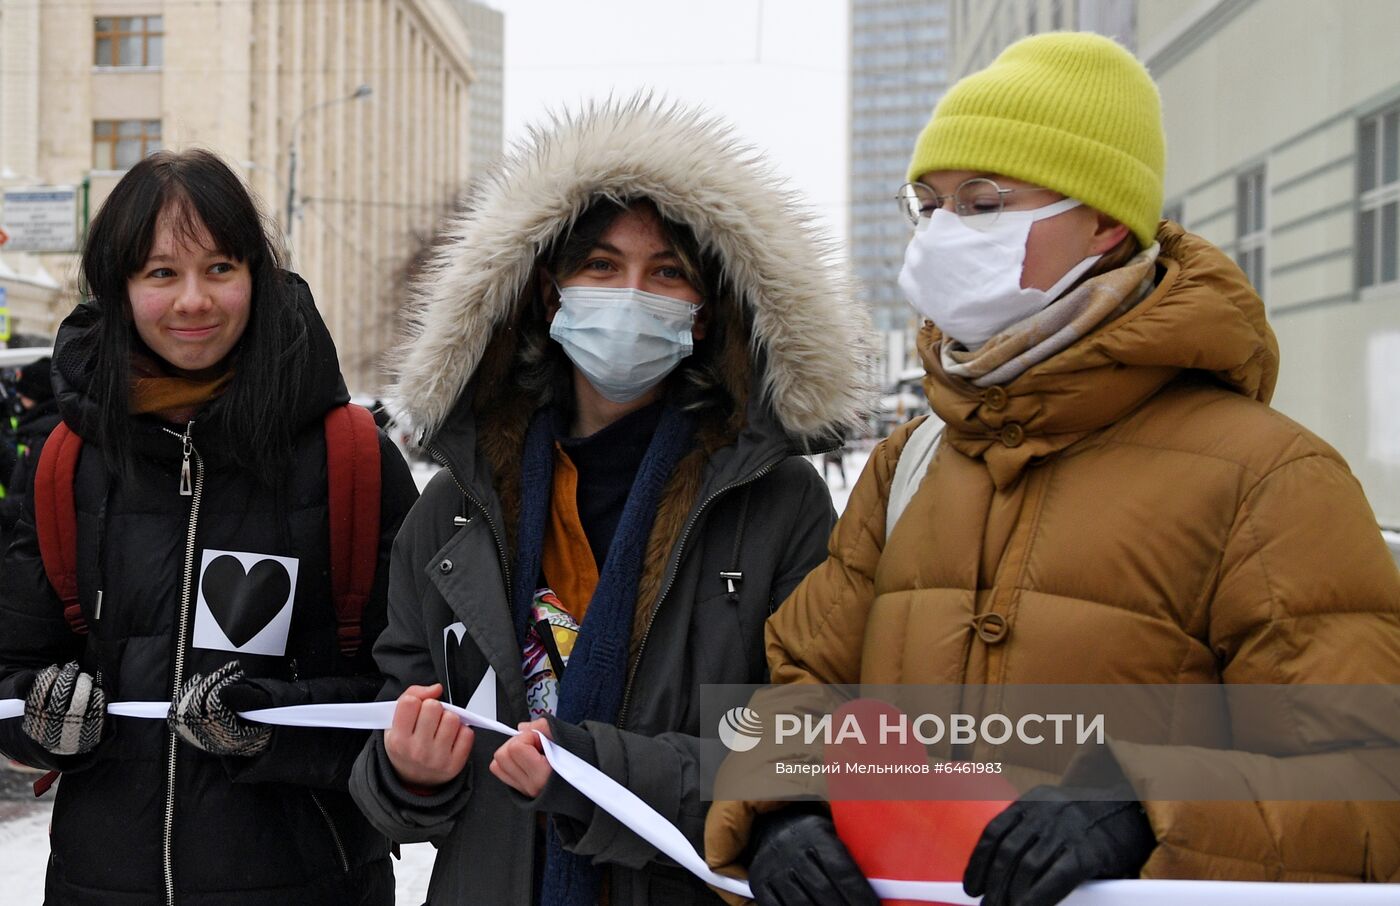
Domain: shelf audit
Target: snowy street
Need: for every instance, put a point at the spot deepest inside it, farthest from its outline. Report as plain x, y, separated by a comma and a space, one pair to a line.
24, 847
24, 820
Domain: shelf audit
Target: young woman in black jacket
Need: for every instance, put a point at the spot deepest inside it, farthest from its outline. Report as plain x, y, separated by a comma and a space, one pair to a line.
197, 375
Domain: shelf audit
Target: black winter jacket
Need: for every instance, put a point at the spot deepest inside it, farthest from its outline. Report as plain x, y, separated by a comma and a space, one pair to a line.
278, 828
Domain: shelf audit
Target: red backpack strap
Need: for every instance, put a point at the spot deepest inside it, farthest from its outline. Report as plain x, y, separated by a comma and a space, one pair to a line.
353, 487
56, 519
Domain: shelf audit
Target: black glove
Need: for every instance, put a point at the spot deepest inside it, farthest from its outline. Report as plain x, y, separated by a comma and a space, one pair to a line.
202, 717
65, 710
799, 861
1052, 839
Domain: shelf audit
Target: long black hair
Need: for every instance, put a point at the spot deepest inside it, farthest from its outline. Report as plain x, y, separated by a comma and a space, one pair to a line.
197, 192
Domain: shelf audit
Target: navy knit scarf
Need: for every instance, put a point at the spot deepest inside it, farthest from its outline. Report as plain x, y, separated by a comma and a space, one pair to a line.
593, 684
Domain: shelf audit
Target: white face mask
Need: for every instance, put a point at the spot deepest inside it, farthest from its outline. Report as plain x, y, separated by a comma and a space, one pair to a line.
968, 281
624, 340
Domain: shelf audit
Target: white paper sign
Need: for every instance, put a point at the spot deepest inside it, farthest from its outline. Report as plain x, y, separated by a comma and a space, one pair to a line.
244, 602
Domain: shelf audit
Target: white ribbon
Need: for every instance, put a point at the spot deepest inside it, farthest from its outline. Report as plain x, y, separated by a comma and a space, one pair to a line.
642, 819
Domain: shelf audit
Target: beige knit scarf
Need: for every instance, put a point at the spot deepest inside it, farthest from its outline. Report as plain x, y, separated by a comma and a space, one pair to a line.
1073, 316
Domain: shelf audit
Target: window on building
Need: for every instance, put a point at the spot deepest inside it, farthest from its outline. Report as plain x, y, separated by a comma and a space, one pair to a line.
119, 144
1249, 225
1378, 185
129, 41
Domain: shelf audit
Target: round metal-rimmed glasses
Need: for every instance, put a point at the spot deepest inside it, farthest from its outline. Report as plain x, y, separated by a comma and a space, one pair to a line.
979, 199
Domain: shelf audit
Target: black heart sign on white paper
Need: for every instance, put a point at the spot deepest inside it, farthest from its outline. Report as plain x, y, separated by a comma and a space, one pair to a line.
451, 642
244, 603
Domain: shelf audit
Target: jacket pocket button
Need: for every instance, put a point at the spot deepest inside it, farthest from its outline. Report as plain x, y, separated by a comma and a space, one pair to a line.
995, 398
445, 567
1012, 434
992, 628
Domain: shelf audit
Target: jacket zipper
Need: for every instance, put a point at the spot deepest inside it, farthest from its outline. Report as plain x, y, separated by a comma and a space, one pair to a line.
194, 490
441, 460
335, 834
680, 550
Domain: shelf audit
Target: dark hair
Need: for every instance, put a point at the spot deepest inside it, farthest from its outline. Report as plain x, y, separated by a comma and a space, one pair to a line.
196, 192
697, 383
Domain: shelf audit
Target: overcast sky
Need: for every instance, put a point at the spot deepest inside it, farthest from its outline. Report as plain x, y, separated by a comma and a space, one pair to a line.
781, 81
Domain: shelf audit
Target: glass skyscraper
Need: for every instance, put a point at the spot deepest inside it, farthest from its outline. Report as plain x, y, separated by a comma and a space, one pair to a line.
898, 54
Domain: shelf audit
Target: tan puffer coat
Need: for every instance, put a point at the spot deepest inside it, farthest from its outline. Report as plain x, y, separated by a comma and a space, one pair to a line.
1135, 513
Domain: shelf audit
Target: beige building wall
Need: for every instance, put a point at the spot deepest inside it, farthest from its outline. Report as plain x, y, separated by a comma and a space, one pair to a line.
1238, 95
238, 76
31, 292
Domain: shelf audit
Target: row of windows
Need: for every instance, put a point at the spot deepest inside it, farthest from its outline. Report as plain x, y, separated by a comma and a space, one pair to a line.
1378, 184
1249, 225
897, 14
894, 100
119, 144
883, 226
129, 41
885, 164
927, 34
881, 146
893, 57
1377, 246
908, 124
923, 81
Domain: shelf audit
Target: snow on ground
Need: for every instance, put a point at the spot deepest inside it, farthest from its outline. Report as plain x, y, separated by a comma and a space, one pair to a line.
853, 463
24, 823
24, 851
24, 855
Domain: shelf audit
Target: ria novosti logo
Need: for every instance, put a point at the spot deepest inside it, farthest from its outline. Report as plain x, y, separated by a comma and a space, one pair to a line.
740, 729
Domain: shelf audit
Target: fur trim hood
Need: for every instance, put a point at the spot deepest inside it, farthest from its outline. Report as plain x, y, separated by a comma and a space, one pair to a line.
808, 338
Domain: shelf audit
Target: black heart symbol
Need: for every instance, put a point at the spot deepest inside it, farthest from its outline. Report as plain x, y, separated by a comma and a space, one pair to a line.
451, 644
244, 603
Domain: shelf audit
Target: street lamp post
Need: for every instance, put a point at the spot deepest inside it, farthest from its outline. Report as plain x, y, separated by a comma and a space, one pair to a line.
363, 91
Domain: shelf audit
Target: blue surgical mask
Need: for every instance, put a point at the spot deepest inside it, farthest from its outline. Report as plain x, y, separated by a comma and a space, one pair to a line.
624, 340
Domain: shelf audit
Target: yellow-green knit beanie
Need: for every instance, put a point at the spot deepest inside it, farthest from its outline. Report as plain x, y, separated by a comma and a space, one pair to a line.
1070, 111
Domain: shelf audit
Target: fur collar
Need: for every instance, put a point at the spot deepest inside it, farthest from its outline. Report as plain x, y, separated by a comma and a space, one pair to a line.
809, 337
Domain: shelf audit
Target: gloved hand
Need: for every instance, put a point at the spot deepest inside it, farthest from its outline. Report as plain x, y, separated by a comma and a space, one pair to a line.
799, 861
65, 710
203, 718
1053, 838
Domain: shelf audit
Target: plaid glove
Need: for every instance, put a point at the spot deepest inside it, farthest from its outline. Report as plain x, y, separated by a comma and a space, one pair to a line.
201, 717
65, 710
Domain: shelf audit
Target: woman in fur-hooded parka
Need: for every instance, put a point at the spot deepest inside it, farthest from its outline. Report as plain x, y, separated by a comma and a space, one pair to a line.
740, 520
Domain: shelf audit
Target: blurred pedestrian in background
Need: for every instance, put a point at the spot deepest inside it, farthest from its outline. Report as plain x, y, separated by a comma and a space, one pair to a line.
38, 416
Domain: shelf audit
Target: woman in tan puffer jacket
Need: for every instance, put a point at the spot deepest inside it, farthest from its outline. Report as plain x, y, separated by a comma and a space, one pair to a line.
1112, 501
